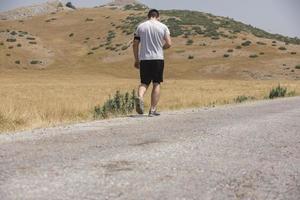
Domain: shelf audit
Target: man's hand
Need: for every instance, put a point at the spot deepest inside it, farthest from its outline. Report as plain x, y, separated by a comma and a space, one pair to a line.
137, 64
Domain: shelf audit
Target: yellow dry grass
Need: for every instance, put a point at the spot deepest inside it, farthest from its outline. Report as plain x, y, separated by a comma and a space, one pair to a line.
42, 99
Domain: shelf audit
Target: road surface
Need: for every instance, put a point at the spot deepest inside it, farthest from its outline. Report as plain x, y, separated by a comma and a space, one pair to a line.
248, 151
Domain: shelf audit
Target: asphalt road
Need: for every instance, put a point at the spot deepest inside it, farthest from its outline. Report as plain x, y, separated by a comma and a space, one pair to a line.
248, 151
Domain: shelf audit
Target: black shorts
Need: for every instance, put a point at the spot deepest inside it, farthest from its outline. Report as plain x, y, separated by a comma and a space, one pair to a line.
151, 71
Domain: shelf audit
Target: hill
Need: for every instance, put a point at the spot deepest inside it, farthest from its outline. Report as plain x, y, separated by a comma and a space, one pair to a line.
206, 45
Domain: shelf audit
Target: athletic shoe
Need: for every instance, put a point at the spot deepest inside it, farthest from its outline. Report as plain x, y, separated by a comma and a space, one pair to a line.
153, 113
139, 106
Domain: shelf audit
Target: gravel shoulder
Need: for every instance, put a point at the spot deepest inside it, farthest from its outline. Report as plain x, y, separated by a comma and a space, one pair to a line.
245, 151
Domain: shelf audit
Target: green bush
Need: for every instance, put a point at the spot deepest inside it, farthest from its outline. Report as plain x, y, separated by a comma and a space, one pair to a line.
30, 38
11, 40
190, 57
243, 98
35, 62
190, 42
247, 43
277, 92
282, 48
120, 104
261, 43
253, 56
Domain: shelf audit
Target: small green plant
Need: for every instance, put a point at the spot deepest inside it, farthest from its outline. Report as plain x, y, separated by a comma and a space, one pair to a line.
261, 43
190, 42
291, 93
30, 38
247, 43
282, 48
253, 56
11, 40
190, 57
120, 104
243, 98
35, 62
89, 20
297, 67
278, 92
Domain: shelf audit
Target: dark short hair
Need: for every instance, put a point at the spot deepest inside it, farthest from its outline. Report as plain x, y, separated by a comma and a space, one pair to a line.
153, 13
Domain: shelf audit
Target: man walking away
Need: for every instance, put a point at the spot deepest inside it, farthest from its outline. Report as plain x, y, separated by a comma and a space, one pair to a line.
150, 38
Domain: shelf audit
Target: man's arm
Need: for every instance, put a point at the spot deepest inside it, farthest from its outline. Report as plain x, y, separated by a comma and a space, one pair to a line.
168, 41
136, 44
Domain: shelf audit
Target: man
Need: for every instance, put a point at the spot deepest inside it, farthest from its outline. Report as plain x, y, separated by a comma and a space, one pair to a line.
150, 38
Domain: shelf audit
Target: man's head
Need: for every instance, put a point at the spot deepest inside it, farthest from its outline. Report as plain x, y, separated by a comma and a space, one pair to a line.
153, 13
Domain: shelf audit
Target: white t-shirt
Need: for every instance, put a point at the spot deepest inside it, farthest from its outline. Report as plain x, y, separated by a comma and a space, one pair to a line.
152, 34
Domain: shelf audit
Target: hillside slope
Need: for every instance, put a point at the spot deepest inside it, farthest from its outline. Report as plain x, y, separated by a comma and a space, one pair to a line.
99, 40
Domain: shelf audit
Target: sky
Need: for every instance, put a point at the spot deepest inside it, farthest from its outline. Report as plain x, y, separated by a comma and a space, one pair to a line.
275, 16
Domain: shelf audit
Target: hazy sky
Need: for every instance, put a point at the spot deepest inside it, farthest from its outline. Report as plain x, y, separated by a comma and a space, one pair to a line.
276, 16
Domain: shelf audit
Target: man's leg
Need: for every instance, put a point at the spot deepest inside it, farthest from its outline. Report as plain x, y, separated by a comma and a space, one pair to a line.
155, 96
142, 90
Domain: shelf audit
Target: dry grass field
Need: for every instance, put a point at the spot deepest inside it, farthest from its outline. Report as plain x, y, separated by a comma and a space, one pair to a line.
78, 67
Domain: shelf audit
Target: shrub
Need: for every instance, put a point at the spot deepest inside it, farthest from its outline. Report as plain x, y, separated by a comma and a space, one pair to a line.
11, 40
261, 43
90, 53
189, 42
277, 92
253, 56
230, 50
238, 47
71, 34
274, 42
120, 104
190, 57
293, 53
297, 67
274, 45
261, 53
243, 98
89, 20
8, 54
10, 47
32, 42
124, 47
34, 62
30, 38
1, 43
215, 38
214, 51
247, 43
226, 55
282, 48
13, 33
291, 93
19, 45
17, 62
